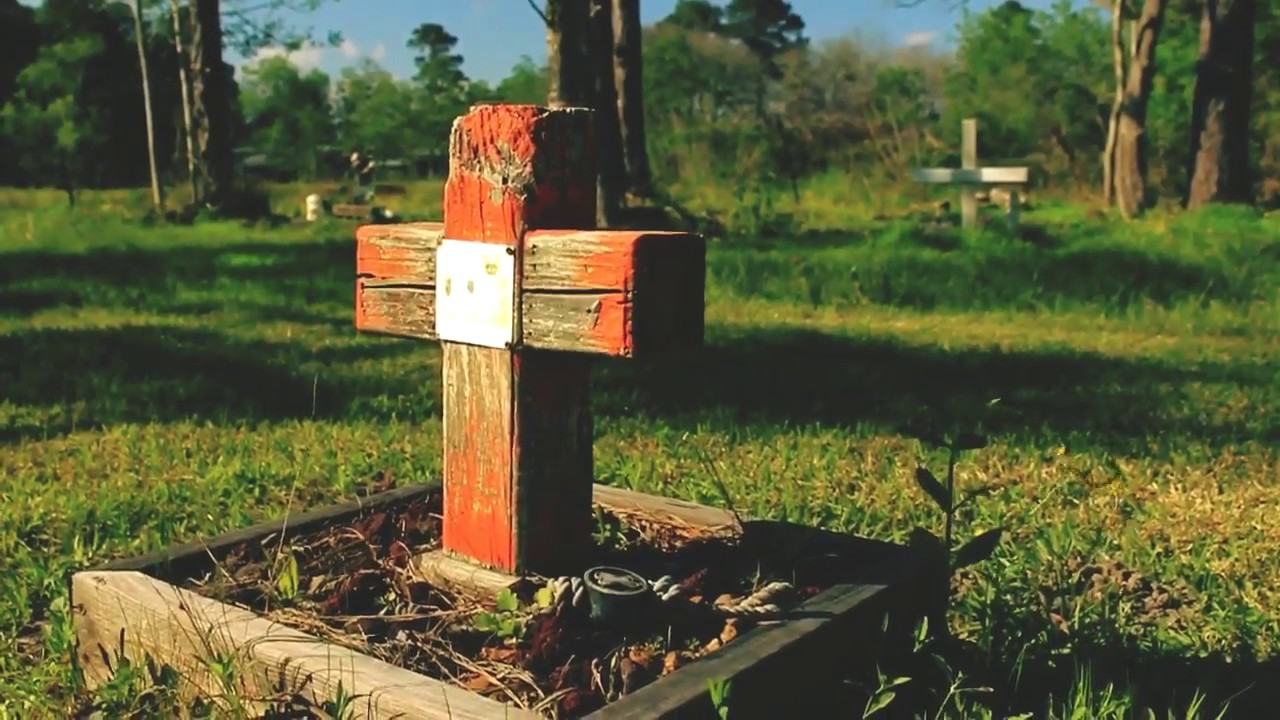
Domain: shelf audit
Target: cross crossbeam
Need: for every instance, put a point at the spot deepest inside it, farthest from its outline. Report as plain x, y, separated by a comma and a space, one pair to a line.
617, 293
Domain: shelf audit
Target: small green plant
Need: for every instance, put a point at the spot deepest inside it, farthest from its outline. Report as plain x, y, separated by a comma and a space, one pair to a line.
721, 690
506, 619
137, 690
287, 581
608, 532
884, 694
342, 705
979, 547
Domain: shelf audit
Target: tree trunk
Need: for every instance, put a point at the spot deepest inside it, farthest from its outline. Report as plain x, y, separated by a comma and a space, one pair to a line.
628, 63
211, 105
611, 175
157, 197
1219, 157
187, 130
570, 81
1113, 127
1130, 169
69, 180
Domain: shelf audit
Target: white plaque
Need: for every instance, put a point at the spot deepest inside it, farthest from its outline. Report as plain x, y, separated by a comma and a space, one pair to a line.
475, 293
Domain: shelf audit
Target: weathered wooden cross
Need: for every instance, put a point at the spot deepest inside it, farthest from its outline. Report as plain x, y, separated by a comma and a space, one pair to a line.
521, 292
970, 176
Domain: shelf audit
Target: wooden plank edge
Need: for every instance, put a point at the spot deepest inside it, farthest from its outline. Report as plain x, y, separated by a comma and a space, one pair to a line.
186, 631
170, 561
766, 648
438, 567
663, 508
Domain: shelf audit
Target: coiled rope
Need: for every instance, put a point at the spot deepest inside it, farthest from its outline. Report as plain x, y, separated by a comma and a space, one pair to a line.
571, 591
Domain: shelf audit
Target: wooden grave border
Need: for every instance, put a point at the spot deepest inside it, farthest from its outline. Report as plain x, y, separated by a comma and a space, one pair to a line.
133, 607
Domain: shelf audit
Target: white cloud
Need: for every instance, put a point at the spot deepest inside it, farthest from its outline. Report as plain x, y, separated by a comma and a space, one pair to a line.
349, 49
916, 39
379, 52
307, 57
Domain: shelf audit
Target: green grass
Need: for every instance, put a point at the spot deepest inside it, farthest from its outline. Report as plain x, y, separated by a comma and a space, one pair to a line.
162, 384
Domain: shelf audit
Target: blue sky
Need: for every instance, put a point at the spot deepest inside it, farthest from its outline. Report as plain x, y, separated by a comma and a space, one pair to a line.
494, 34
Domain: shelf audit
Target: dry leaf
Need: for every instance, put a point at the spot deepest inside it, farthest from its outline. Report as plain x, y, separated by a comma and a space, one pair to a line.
730, 630
500, 654
672, 662
478, 683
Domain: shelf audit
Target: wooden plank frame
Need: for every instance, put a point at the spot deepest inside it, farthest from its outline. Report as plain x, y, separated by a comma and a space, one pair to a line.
129, 607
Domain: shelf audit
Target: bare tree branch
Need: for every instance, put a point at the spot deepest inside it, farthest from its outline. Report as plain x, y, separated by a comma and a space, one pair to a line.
534, 4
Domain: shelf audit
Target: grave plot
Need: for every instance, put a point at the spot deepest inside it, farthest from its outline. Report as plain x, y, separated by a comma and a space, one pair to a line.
517, 587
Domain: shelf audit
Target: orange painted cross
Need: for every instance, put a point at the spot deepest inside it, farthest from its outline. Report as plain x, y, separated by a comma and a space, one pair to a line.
521, 293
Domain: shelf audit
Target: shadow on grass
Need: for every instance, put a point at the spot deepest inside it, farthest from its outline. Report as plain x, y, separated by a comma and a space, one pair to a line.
903, 273
149, 273
25, 303
788, 377
1165, 683
801, 377
96, 378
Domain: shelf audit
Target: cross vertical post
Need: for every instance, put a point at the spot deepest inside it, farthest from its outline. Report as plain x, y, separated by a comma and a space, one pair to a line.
517, 424
968, 161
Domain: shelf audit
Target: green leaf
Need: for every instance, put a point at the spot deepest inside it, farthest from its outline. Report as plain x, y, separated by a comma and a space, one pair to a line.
485, 622
509, 627
879, 702
930, 485
970, 441
978, 549
507, 601
543, 597
287, 582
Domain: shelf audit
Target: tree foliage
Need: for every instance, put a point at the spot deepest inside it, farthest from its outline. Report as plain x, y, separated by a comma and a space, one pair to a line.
734, 93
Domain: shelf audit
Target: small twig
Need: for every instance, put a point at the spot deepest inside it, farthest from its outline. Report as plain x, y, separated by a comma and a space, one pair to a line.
545, 21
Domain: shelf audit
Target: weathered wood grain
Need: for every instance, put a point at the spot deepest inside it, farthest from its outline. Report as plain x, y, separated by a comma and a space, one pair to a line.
617, 293
404, 252
479, 454
186, 631
663, 508
444, 570
554, 462
396, 310
596, 323
517, 430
